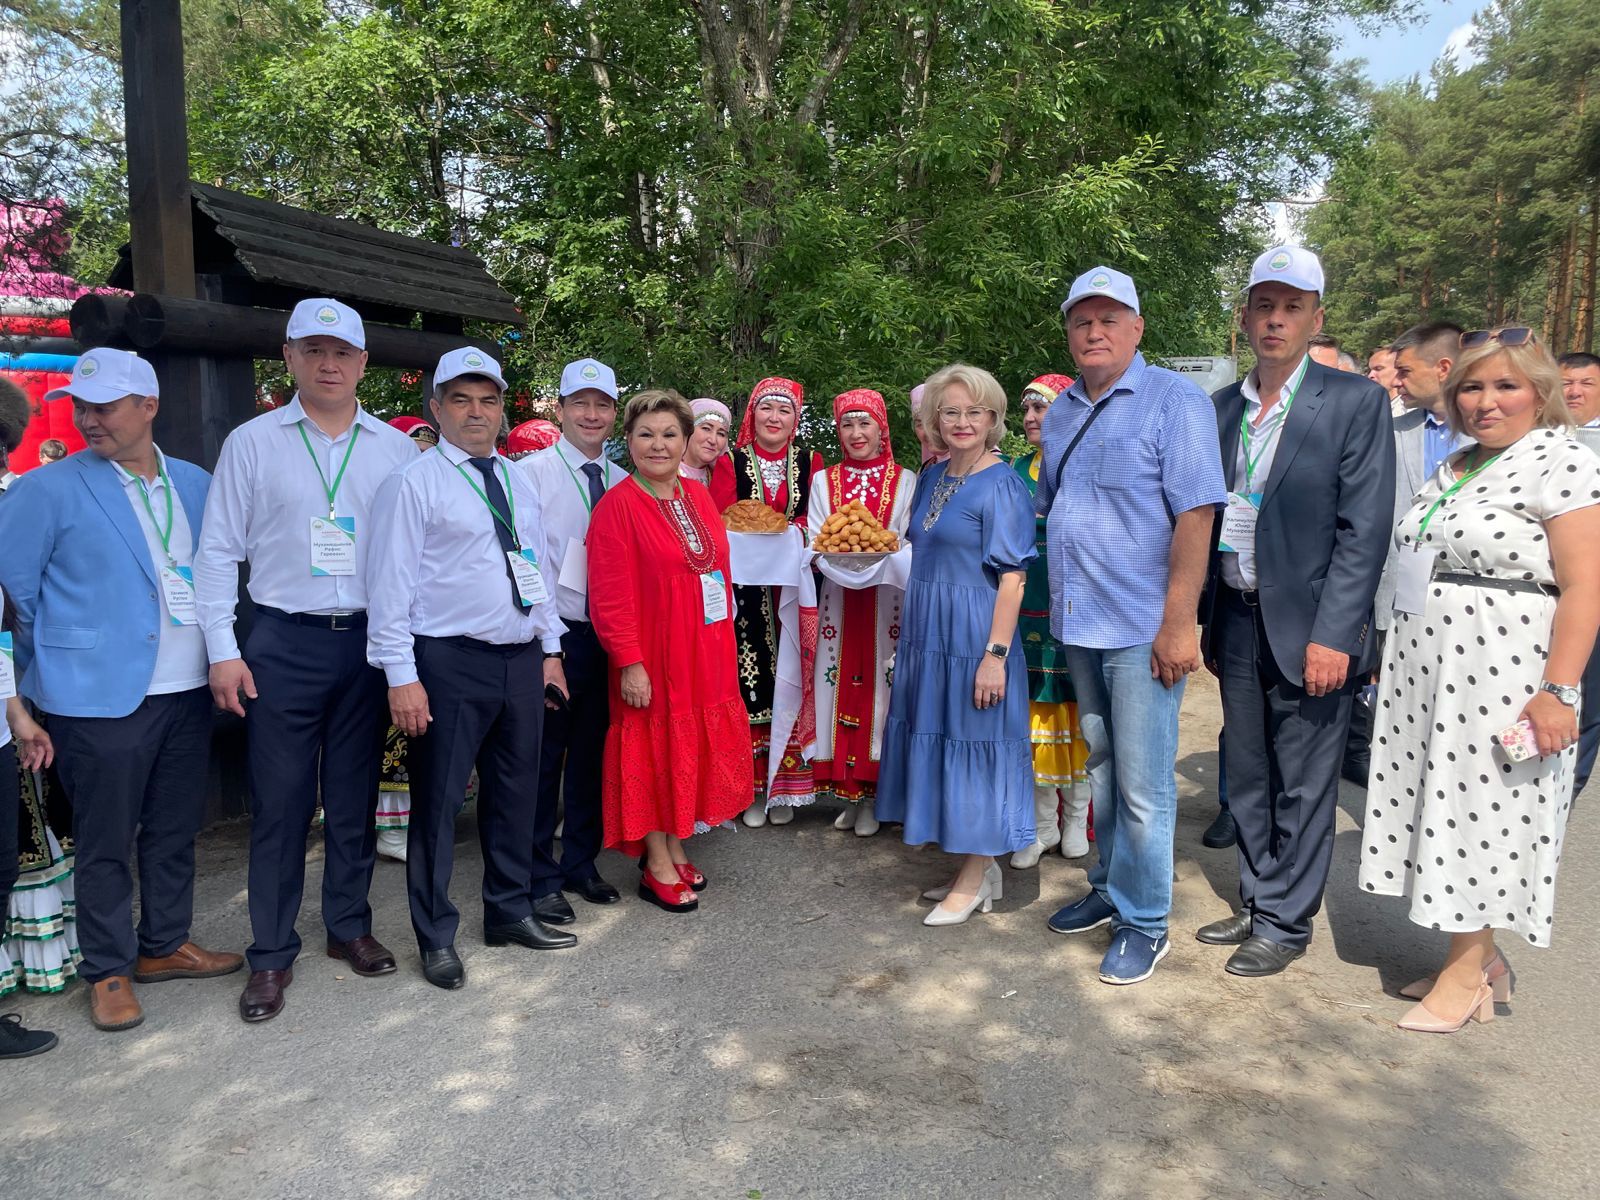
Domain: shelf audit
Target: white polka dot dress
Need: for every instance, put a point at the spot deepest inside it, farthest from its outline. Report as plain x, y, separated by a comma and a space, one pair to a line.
1473, 839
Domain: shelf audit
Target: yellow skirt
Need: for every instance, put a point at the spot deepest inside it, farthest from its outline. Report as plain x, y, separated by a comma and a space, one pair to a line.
1060, 754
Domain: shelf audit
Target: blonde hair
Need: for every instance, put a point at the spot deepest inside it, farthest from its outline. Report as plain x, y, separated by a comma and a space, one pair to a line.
657, 400
1530, 360
984, 389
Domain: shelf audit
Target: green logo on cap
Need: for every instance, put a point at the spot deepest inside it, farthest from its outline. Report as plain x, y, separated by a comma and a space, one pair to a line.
328, 315
87, 367
1101, 281
473, 360
1279, 261
590, 371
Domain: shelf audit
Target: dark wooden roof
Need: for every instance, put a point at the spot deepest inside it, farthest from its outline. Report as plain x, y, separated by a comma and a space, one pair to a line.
287, 253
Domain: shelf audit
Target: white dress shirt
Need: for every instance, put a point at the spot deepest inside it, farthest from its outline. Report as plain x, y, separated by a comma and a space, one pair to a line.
437, 566
1239, 569
557, 475
264, 493
181, 652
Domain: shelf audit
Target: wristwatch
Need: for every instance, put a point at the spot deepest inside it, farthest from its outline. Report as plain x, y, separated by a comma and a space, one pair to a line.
996, 649
1568, 695
557, 654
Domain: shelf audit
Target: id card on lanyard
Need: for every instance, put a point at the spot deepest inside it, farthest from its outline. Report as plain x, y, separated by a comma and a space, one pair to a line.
714, 597
177, 583
333, 538
1415, 562
530, 579
1240, 518
8, 669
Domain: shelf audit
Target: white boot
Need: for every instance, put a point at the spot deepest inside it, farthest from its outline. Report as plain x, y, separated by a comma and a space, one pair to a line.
1046, 832
756, 815
781, 815
846, 819
866, 819
392, 844
1075, 821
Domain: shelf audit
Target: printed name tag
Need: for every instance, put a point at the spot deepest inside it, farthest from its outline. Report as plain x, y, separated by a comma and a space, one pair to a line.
1413, 573
177, 589
530, 580
8, 669
575, 568
1239, 522
714, 597
333, 546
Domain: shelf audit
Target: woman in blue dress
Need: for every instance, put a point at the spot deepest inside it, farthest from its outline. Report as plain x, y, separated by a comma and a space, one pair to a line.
957, 759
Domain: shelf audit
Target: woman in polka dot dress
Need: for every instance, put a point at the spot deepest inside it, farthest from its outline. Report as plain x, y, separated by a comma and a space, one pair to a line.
1499, 596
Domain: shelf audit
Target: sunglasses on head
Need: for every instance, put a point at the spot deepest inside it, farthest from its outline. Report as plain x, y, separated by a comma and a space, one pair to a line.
1512, 335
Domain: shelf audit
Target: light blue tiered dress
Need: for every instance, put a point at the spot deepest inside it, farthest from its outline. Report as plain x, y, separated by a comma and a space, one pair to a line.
954, 774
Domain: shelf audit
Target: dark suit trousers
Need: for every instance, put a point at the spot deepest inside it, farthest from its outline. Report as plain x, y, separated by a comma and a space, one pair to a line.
487, 704
135, 781
574, 741
1283, 753
318, 726
1588, 722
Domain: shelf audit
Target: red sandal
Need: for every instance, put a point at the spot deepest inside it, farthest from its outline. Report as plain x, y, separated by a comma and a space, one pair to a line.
675, 898
687, 873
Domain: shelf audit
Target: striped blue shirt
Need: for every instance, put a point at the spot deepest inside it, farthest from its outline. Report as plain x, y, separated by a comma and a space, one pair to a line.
1152, 454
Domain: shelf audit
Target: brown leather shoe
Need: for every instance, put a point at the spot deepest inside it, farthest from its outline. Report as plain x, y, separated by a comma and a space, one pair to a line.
262, 998
112, 1004
365, 954
188, 961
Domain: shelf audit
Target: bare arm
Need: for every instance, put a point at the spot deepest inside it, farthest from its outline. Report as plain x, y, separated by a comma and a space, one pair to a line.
989, 687
1176, 650
1575, 552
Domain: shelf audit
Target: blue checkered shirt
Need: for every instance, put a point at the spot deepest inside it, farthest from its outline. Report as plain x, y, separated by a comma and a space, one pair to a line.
1152, 454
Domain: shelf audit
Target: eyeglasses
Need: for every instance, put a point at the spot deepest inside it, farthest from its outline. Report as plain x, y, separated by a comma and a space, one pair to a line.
971, 415
1511, 335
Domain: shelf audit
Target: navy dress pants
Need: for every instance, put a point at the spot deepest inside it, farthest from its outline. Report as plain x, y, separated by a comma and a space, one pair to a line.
574, 742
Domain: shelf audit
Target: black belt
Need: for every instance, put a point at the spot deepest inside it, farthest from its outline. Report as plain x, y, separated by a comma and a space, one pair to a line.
1250, 599
337, 622
462, 642
1470, 579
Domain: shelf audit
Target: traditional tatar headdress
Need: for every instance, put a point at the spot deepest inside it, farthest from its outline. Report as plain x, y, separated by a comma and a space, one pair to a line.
706, 409
1049, 386
768, 389
531, 436
867, 401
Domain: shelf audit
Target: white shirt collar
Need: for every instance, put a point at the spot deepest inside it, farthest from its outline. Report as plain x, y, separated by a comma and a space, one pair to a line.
1250, 388
571, 451
294, 411
127, 477
455, 454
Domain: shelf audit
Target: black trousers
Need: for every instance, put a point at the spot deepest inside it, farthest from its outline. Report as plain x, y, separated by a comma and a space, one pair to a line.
10, 814
317, 726
1283, 753
574, 741
135, 781
1588, 722
487, 704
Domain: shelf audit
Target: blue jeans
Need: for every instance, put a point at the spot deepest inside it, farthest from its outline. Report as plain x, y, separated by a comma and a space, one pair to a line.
1131, 724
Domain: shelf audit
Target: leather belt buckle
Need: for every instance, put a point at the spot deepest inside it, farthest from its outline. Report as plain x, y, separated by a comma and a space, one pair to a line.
342, 622
1251, 599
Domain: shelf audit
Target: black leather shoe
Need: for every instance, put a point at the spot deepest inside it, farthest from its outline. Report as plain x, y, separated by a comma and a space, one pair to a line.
1221, 833
1230, 931
443, 968
1260, 956
554, 910
593, 889
530, 933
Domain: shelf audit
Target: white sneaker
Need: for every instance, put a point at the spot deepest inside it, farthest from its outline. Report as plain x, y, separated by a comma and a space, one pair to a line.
392, 844
867, 819
756, 815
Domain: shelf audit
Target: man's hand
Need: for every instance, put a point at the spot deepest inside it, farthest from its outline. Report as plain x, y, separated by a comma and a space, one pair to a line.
555, 673
1325, 670
1175, 653
228, 678
35, 751
408, 708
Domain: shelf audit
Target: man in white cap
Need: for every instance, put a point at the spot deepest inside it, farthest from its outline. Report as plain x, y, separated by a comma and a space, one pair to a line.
293, 497
1131, 481
571, 477
1309, 455
98, 561
462, 616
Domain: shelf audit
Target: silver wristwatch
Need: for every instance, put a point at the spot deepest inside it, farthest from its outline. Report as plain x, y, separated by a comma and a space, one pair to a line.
1568, 695
996, 649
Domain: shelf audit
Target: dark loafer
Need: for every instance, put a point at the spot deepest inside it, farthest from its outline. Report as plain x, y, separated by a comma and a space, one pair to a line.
594, 889
262, 998
443, 968
554, 910
1221, 833
1230, 931
1260, 956
530, 933
365, 954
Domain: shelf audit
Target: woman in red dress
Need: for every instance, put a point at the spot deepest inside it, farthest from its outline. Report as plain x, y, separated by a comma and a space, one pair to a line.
677, 757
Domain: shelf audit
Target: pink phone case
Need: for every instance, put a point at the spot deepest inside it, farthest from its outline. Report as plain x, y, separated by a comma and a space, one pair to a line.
1518, 741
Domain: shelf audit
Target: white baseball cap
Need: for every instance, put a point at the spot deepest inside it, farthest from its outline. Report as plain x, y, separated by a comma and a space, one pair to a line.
1102, 281
468, 360
104, 375
588, 373
323, 317
1293, 265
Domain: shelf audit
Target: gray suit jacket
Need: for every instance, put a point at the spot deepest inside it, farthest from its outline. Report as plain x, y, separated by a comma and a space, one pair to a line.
1410, 453
1327, 518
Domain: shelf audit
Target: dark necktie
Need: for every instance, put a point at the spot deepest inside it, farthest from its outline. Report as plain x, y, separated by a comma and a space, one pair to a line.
597, 489
498, 501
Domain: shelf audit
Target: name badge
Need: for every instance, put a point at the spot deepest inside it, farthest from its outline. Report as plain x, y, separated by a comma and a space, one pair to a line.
1413, 573
333, 546
714, 597
1239, 522
530, 580
575, 568
177, 589
8, 668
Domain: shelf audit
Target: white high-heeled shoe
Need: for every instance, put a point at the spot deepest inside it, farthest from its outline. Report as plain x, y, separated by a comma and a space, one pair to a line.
984, 900
991, 876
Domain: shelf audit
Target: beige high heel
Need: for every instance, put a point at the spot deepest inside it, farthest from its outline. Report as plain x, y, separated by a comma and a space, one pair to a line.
991, 876
1497, 975
1421, 1020
983, 901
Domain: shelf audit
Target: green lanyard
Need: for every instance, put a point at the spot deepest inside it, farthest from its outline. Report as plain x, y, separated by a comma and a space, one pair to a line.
583, 492
144, 494
1451, 491
355, 432
1250, 464
671, 494
511, 501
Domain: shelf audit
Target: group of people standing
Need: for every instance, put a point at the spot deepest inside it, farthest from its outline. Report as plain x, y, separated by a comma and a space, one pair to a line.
585, 640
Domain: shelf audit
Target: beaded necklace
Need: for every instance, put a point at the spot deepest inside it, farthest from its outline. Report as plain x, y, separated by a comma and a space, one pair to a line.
693, 538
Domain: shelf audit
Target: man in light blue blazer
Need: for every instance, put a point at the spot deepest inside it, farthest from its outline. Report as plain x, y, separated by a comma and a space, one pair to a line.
98, 558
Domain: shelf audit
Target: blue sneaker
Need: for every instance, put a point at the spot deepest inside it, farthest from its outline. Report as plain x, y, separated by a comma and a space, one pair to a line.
1082, 915
1132, 957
